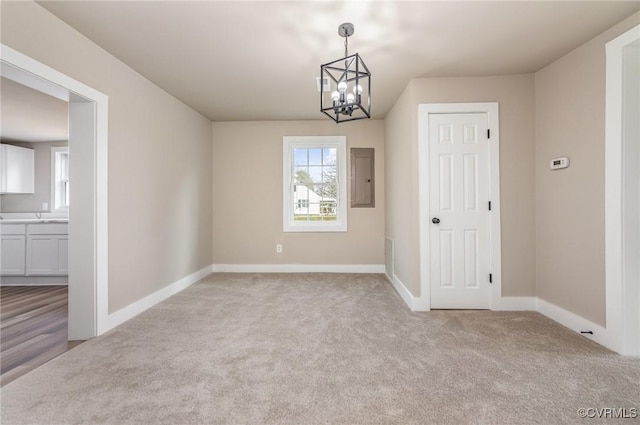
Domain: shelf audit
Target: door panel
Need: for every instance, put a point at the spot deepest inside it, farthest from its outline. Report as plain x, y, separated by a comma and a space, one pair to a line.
459, 195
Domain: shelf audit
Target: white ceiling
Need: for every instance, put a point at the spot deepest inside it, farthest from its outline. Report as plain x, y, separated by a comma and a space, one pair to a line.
31, 116
259, 60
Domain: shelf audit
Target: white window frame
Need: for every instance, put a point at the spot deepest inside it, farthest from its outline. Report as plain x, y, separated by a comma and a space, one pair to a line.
289, 144
58, 203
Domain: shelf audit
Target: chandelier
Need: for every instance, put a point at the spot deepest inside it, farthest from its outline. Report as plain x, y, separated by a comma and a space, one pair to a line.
351, 99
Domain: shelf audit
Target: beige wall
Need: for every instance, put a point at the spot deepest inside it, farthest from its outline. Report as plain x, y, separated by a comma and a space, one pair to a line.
515, 95
570, 119
42, 184
247, 215
401, 202
159, 158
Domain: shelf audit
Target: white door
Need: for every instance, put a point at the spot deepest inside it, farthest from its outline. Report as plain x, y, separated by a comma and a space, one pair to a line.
459, 211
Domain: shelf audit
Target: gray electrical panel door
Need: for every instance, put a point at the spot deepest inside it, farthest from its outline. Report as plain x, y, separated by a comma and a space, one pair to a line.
362, 178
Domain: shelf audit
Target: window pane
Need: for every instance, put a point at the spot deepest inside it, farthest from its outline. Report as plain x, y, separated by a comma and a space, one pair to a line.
300, 191
300, 156
302, 175
328, 210
315, 156
329, 156
64, 166
315, 173
300, 202
328, 192
329, 174
66, 193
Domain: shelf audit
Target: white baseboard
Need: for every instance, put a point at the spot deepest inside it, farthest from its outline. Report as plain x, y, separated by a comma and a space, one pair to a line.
132, 310
299, 268
34, 280
576, 323
414, 303
517, 304
552, 311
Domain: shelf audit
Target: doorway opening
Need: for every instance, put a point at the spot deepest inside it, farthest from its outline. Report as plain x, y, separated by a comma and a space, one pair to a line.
88, 254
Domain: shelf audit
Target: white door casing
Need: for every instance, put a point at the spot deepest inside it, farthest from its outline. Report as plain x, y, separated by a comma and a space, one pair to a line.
459, 210
622, 159
471, 172
88, 226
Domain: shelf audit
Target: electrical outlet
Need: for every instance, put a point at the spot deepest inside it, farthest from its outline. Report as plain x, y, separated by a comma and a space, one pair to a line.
45, 206
279, 248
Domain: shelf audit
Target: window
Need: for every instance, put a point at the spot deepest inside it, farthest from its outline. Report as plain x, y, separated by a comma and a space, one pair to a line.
59, 179
315, 184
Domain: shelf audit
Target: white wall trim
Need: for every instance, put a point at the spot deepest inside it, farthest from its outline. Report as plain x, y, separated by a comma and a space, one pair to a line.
414, 303
298, 268
132, 310
616, 317
576, 323
559, 315
495, 255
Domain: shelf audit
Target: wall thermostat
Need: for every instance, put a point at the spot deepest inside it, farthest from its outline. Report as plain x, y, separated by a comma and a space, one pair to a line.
557, 163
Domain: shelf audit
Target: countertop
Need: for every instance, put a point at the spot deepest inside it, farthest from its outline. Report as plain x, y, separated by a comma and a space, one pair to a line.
33, 220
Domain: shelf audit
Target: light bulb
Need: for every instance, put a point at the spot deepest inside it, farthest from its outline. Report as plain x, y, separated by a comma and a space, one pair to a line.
342, 87
350, 98
335, 96
357, 89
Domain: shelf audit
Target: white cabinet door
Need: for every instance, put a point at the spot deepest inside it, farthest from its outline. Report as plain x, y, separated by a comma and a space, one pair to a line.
47, 255
12, 255
17, 173
63, 255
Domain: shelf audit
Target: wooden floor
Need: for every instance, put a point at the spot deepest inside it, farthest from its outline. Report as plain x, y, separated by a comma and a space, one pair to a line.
33, 323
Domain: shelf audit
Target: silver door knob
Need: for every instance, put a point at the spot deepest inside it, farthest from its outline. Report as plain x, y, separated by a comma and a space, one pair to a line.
435, 220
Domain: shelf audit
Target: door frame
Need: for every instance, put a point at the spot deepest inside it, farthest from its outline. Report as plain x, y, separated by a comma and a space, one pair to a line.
88, 242
495, 253
622, 319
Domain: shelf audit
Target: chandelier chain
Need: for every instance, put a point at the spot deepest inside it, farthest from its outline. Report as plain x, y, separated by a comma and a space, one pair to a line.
346, 45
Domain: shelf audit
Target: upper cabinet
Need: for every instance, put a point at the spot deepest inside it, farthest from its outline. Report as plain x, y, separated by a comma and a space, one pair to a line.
16, 169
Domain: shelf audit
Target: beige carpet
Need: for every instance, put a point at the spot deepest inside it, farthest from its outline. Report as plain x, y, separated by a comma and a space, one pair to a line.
323, 349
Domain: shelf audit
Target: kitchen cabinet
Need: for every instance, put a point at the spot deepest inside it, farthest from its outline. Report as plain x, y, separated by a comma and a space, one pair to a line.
12, 250
34, 249
17, 174
47, 249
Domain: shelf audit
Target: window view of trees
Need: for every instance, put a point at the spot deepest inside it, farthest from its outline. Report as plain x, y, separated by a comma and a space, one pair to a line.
316, 184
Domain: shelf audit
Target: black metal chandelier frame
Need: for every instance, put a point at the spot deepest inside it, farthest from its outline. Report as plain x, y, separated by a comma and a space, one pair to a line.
346, 72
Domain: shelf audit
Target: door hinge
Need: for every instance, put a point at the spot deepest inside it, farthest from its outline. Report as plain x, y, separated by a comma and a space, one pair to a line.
488, 133
489, 205
490, 277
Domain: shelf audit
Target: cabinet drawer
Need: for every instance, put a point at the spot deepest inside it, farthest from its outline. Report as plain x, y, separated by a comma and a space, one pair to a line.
12, 229
48, 229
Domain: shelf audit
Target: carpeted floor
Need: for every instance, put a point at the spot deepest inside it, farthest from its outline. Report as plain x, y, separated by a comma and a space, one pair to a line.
323, 349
